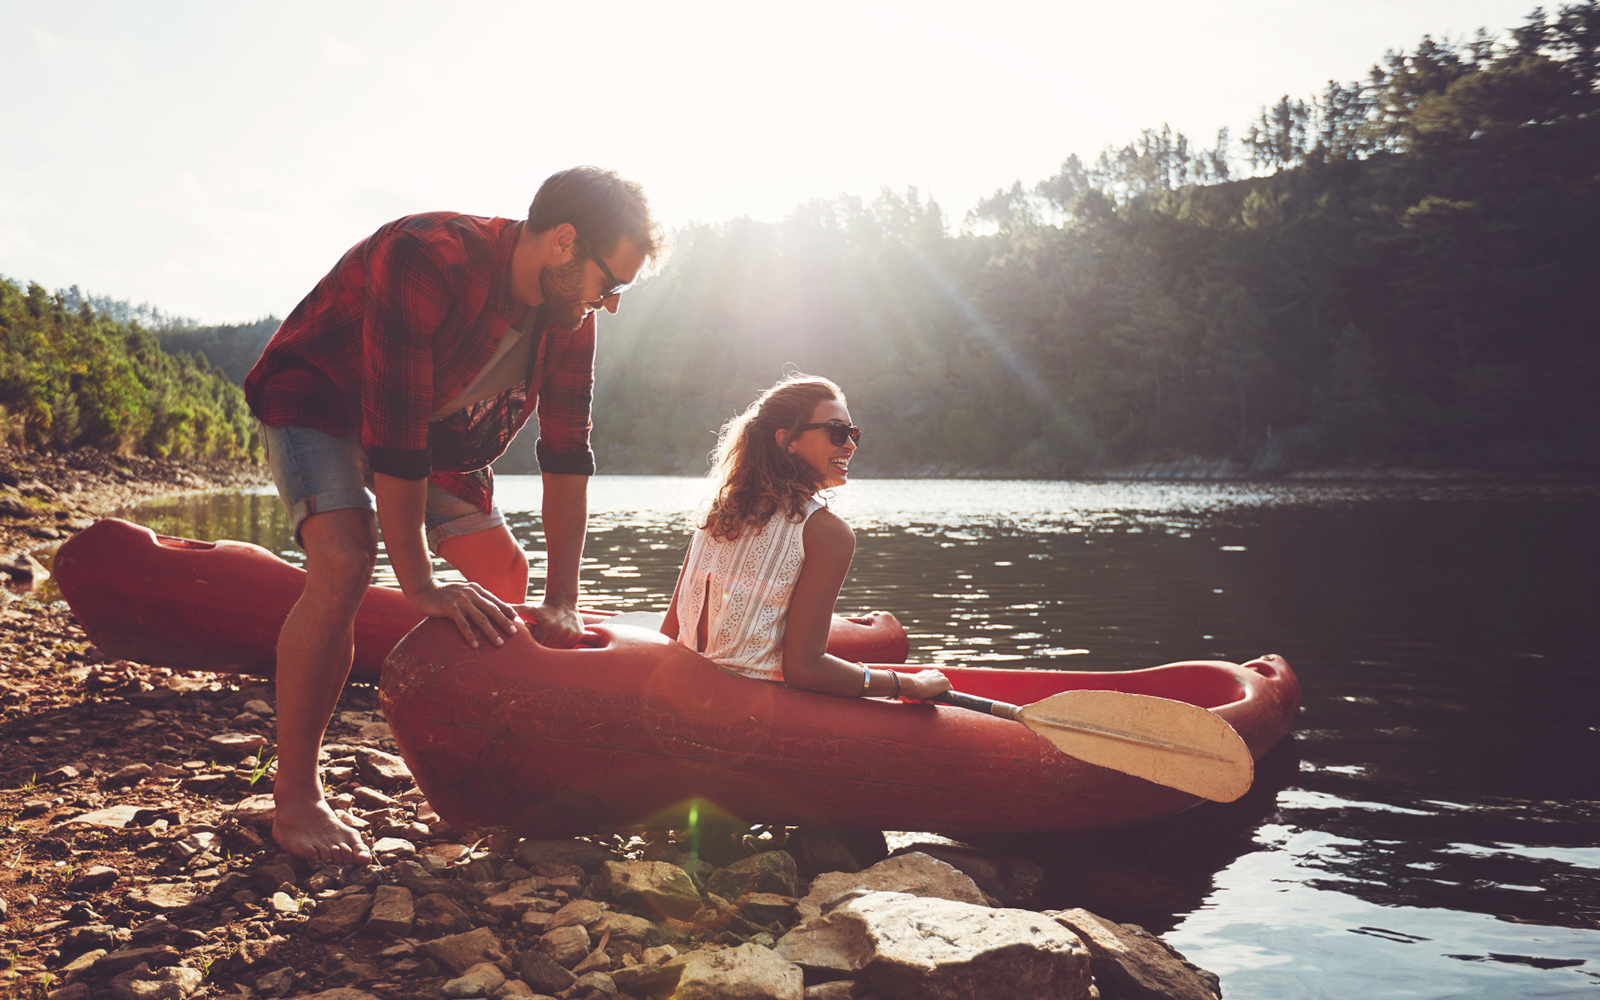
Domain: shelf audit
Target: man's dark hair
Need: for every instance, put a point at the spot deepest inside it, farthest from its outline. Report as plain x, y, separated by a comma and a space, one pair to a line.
602, 207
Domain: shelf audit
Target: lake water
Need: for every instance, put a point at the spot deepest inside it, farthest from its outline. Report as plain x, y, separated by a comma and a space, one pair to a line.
1432, 827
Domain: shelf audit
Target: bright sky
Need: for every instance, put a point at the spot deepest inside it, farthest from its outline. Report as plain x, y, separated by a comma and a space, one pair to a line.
214, 159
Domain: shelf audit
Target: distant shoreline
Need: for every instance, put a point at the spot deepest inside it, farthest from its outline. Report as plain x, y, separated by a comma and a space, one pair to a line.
1192, 470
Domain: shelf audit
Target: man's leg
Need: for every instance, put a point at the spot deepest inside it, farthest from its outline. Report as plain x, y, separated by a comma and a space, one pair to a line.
478, 544
321, 480
315, 649
492, 559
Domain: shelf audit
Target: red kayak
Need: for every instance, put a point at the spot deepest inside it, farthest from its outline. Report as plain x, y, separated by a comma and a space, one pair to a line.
219, 605
633, 728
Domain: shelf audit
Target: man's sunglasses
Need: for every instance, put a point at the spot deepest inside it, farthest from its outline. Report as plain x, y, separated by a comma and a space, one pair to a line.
838, 431
613, 285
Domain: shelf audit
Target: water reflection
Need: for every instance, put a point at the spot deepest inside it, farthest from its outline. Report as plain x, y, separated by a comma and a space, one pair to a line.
1429, 832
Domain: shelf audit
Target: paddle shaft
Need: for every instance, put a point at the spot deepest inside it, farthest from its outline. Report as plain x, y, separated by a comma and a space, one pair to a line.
976, 704
1015, 713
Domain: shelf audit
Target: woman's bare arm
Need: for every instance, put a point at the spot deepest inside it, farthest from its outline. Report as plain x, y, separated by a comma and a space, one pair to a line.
830, 545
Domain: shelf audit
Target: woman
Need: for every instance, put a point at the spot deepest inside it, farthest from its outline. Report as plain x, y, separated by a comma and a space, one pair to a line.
758, 586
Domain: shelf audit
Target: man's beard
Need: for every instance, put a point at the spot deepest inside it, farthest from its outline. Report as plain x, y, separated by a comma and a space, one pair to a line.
562, 288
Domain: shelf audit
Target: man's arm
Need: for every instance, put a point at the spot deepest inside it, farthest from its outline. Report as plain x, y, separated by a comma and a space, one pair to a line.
565, 512
402, 504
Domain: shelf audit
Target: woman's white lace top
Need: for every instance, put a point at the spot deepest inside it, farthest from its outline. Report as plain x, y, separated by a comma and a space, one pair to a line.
751, 581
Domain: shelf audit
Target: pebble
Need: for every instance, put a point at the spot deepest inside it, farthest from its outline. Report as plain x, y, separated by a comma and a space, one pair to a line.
393, 911
91, 879
236, 745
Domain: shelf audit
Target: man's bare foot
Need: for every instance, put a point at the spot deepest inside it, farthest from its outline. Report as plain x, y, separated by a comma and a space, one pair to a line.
311, 831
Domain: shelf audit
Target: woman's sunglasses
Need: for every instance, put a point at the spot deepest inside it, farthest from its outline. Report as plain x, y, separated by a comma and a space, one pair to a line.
838, 431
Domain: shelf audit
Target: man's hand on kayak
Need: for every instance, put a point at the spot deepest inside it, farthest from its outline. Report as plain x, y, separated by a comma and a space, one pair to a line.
471, 607
553, 625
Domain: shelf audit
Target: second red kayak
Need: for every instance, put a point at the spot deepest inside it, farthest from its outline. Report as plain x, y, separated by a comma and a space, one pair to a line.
219, 605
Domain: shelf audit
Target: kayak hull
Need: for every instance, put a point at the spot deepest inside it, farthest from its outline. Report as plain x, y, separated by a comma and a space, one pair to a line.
219, 605
634, 729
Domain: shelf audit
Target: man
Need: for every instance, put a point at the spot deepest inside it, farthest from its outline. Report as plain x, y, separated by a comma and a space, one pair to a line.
409, 368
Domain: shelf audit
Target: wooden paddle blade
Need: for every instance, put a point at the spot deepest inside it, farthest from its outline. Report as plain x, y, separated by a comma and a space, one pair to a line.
1171, 743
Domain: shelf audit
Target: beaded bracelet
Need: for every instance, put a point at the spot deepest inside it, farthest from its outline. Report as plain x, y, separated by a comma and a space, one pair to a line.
895, 676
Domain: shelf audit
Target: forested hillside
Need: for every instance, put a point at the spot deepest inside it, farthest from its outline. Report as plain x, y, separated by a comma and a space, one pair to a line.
73, 377
1412, 276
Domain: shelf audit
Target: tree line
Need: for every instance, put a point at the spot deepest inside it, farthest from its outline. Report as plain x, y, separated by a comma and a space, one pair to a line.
1400, 269
72, 375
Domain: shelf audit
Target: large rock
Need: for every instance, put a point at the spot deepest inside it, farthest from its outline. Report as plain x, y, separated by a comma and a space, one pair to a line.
651, 885
817, 849
1009, 880
917, 948
748, 972
460, 952
772, 871
1134, 964
914, 873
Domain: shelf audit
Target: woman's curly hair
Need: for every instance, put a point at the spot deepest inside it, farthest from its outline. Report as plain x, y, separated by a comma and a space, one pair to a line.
758, 478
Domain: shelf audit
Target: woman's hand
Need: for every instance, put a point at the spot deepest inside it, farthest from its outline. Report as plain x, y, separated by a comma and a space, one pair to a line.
471, 607
923, 684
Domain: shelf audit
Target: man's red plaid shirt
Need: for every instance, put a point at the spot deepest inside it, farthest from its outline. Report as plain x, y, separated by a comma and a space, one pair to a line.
400, 327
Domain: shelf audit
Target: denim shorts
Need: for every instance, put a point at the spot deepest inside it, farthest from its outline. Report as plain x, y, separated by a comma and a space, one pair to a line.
317, 472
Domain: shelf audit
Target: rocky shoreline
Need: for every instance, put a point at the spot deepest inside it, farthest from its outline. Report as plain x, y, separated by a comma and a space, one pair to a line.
136, 859
45, 497
135, 862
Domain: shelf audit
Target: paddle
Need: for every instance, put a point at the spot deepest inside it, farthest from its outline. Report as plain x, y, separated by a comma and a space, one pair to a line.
1171, 743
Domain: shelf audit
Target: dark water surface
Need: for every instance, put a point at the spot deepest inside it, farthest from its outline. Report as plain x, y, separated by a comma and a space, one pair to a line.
1432, 828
